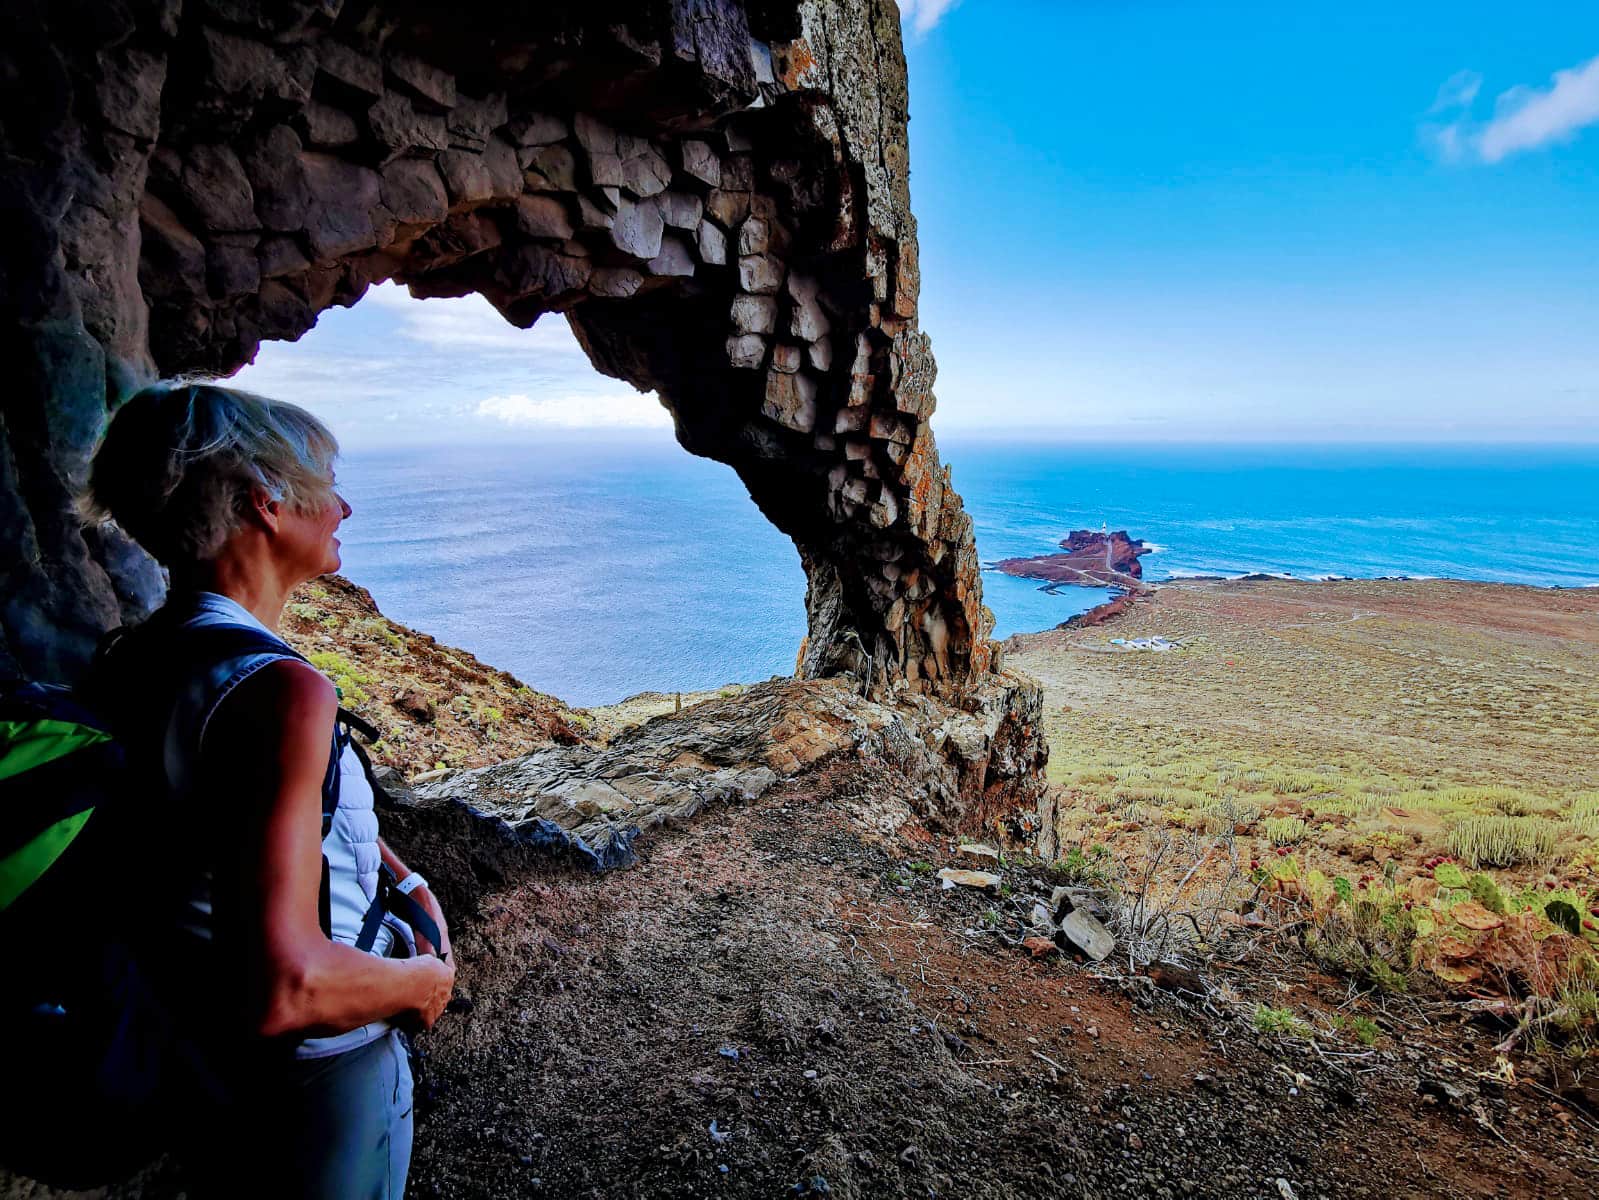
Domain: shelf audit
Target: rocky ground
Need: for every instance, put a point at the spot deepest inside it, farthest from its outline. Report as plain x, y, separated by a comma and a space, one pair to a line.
779, 998
776, 1001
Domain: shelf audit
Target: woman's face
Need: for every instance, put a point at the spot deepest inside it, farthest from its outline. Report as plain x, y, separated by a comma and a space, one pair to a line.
307, 536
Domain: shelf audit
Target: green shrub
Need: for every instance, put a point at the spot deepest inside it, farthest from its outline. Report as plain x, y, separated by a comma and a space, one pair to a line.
1584, 815
1494, 841
1280, 1020
378, 628
349, 679
1079, 866
1284, 831
1373, 937
1363, 1029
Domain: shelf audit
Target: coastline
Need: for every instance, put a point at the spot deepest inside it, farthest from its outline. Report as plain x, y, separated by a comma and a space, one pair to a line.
1125, 597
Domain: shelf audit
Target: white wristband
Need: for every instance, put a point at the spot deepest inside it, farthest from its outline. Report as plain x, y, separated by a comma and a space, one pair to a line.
410, 883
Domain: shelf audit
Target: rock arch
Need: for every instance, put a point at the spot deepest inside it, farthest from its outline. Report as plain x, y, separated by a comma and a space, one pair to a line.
713, 192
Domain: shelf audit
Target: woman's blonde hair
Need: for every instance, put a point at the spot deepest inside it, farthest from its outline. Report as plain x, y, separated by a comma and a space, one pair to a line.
178, 461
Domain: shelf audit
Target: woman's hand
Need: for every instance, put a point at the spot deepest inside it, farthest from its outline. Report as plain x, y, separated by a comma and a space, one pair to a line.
436, 983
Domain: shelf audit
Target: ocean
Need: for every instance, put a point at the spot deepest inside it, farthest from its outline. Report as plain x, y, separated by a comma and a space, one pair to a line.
594, 568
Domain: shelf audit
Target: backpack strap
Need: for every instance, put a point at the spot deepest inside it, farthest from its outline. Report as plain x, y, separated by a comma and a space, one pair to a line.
212, 645
388, 900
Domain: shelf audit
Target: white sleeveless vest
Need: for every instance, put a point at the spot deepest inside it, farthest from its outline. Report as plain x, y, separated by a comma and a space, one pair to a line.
351, 845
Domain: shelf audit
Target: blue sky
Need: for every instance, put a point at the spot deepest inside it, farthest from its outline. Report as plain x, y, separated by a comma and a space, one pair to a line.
1217, 221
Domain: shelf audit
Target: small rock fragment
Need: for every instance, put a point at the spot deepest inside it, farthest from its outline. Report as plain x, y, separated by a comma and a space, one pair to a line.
1085, 933
951, 877
415, 705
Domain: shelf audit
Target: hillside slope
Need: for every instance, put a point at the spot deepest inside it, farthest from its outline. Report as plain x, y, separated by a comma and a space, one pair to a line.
436, 706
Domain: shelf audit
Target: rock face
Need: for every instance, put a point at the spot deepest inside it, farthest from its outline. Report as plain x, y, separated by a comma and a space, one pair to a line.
714, 194
598, 799
1092, 559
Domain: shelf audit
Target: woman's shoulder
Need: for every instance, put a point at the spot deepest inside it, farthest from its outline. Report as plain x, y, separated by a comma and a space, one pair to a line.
286, 701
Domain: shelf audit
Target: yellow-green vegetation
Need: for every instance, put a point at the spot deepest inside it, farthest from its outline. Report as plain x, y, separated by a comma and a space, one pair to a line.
1396, 720
1443, 929
1483, 840
351, 681
1392, 758
1284, 831
1363, 1029
431, 704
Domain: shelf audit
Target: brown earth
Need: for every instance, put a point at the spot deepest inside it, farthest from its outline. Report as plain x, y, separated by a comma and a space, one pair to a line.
778, 999
774, 997
434, 705
803, 984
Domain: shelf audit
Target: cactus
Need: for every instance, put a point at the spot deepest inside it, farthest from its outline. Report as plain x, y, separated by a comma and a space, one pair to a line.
1449, 876
1486, 893
1494, 841
1284, 831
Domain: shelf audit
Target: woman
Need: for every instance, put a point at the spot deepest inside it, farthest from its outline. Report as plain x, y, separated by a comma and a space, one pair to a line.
235, 496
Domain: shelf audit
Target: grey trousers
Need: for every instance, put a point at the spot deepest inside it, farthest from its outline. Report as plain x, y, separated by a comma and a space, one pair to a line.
335, 1128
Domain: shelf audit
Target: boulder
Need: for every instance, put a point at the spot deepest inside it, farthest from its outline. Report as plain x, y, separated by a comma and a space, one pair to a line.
1083, 932
712, 244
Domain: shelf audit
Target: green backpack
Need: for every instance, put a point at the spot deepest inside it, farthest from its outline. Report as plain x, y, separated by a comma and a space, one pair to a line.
86, 1044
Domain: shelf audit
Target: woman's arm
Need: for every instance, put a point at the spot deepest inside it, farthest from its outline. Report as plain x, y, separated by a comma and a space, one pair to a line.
269, 746
424, 896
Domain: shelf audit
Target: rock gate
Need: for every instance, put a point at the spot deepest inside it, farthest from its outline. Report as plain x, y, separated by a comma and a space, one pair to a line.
714, 193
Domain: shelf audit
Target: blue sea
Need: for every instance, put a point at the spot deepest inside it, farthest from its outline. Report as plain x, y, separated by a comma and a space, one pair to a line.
597, 568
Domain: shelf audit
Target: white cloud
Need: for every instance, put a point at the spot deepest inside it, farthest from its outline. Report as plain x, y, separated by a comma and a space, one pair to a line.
1458, 91
394, 368
470, 323
1525, 118
922, 15
610, 410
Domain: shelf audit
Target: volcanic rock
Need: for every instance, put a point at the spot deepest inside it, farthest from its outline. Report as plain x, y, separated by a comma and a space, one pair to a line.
1091, 559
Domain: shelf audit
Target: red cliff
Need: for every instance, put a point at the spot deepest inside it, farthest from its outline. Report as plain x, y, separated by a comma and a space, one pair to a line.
1091, 559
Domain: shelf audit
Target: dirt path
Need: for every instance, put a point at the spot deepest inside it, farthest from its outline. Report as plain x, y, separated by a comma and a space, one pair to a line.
773, 1004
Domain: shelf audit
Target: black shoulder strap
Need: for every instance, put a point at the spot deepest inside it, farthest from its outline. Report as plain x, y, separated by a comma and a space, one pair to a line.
387, 900
210, 645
